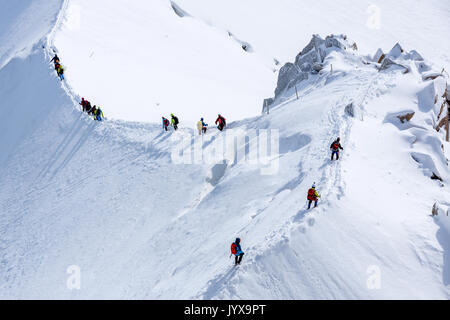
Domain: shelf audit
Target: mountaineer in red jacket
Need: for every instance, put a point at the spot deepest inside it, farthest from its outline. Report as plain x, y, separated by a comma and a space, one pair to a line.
222, 122
312, 196
335, 148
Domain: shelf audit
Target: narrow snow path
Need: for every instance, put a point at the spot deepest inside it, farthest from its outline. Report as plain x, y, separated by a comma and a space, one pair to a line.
334, 123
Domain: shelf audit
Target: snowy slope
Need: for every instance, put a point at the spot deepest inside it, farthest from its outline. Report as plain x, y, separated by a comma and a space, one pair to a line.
163, 63
279, 28
376, 203
22, 25
109, 198
195, 66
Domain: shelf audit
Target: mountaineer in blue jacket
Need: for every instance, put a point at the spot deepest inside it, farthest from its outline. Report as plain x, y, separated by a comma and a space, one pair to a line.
237, 251
165, 123
202, 126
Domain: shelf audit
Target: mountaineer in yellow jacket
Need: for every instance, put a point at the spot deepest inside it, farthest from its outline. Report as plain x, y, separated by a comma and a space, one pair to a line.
60, 72
201, 126
98, 113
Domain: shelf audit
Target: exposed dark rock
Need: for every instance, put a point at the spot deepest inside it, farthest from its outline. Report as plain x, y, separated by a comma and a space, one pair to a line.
309, 61
287, 73
436, 177
387, 63
350, 110
317, 67
406, 117
332, 41
178, 11
396, 51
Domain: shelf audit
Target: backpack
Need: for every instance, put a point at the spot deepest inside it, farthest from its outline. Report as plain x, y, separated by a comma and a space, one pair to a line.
233, 248
176, 120
335, 145
237, 248
311, 194
166, 122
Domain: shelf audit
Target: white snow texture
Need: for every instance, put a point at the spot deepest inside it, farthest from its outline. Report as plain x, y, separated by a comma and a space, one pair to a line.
107, 199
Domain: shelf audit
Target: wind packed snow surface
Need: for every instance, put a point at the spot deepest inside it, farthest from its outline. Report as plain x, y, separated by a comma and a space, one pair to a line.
141, 59
110, 200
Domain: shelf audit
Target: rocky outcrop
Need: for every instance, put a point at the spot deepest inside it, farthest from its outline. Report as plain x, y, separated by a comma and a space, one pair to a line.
289, 75
379, 56
387, 63
350, 110
396, 51
395, 58
431, 76
407, 117
308, 62
440, 209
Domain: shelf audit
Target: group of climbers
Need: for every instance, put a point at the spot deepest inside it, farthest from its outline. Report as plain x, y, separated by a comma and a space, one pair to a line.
173, 122
202, 127
236, 250
58, 67
313, 195
94, 111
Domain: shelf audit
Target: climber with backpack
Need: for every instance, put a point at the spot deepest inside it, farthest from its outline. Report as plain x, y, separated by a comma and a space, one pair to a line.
57, 66
83, 104
55, 59
237, 251
88, 107
165, 123
98, 114
335, 148
202, 127
93, 112
222, 122
313, 196
174, 122
60, 72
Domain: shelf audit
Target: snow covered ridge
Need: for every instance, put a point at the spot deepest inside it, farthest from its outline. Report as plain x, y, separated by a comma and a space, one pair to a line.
326, 56
386, 107
107, 199
167, 59
23, 24
317, 56
310, 61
